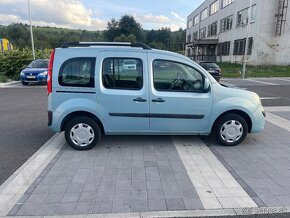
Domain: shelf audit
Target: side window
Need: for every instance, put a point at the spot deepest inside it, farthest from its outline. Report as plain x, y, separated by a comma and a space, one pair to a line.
122, 73
176, 77
77, 72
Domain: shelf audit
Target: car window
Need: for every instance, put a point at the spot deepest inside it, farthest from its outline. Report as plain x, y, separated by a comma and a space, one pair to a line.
77, 72
38, 64
176, 77
209, 65
122, 73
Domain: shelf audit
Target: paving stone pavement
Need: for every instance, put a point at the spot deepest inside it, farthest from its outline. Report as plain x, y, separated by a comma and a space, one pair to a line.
262, 162
122, 174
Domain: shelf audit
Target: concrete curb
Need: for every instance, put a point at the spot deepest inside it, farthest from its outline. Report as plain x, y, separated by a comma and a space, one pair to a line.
176, 214
9, 83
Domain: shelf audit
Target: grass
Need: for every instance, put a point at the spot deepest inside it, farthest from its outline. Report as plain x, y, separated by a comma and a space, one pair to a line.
234, 70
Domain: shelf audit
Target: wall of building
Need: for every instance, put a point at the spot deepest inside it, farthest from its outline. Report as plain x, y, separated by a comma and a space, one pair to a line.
267, 48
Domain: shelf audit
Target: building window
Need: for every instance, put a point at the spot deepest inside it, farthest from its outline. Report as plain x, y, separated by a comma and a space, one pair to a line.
189, 24
195, 35
250, 45
224, 48
240, 46
226, 24
253, 13
212, 29
195, 20
226, 2
202, 33
242, 18
188, 38
203, 14
214, 7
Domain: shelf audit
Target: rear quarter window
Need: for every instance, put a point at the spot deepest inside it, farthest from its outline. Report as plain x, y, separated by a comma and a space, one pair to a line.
77, 72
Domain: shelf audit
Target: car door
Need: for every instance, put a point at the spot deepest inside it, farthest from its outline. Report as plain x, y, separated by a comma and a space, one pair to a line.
123, 94
178, 103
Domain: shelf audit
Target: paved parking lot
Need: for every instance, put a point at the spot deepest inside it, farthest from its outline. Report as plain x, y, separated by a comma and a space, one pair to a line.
161, 173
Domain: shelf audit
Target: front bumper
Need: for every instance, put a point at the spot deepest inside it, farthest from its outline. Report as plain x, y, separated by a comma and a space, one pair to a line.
258, 120
34, 79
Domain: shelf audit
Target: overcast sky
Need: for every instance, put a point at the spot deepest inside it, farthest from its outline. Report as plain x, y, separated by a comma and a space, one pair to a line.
94, 14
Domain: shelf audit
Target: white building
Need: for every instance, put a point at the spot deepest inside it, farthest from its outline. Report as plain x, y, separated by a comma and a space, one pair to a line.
218, 29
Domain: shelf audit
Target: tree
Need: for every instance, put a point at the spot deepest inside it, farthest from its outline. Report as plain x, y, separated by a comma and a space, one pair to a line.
123, 38
112, 30
128, 25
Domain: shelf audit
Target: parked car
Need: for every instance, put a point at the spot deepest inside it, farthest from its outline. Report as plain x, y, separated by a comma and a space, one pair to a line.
170, 94
129, 65
212, 68
35, 72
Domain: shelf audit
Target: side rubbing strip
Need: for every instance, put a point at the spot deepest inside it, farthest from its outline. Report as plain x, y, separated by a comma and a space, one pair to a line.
173, 116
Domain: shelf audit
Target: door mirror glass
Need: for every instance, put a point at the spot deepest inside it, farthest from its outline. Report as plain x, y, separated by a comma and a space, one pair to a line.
206, 84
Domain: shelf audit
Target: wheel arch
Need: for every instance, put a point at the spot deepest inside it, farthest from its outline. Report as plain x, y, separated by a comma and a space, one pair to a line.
238, 112
75, 114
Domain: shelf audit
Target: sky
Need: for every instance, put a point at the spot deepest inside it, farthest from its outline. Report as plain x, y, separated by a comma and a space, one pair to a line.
94, 14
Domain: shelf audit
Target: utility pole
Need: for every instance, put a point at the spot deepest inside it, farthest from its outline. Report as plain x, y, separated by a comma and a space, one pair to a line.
31, 32
247, 41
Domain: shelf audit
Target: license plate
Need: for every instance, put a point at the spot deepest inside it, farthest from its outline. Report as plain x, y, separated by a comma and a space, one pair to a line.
31, 77
211, 71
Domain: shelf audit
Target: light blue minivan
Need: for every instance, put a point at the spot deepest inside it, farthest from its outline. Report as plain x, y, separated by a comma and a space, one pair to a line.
99, 89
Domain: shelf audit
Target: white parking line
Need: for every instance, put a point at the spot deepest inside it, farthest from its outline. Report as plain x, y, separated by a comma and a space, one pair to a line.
16, 185
278, 121
278, 109
215, 186
270, 98
262, 82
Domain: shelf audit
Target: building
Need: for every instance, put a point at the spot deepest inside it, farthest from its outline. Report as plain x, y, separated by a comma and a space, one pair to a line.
5, 45
220, 30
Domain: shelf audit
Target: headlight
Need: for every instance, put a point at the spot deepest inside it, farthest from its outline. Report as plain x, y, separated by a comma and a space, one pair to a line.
258, 99
43, 73
22, 73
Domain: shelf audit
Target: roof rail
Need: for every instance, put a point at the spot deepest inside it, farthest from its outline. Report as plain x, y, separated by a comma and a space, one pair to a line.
88, 44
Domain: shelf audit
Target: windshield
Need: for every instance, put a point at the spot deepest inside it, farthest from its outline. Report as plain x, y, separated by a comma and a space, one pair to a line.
207, 65
38, 64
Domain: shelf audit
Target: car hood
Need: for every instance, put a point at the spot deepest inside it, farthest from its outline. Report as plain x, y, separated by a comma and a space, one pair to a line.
227, 92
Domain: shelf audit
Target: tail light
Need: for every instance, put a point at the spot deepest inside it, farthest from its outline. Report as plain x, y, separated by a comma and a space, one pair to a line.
49, 72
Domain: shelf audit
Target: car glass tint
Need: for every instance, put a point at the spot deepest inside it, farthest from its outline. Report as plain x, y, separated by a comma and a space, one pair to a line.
122, 73
78, 72
176, 77
38, 64
209, 65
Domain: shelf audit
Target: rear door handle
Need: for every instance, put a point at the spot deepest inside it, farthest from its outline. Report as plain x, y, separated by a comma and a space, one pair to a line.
139, 99
158, 100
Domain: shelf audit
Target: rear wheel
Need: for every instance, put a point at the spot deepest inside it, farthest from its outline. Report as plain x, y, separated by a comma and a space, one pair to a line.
82, 133
231, 130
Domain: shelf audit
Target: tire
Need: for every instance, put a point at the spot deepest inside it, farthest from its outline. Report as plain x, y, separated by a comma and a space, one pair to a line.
24, 83
231, 130
86, 129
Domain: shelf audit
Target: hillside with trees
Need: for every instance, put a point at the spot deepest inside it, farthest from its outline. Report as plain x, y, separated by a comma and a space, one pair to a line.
126, 29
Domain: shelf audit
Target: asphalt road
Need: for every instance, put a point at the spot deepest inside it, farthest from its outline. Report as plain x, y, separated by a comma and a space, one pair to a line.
23, 126
23, 117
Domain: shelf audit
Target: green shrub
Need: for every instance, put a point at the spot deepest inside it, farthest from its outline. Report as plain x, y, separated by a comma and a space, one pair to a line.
12, 62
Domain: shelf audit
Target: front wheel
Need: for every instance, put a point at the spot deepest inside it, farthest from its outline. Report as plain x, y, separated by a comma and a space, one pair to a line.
82, 133
231, 130
24, 83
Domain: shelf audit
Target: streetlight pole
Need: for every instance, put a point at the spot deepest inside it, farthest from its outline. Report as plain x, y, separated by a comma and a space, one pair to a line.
247, 41
31, 32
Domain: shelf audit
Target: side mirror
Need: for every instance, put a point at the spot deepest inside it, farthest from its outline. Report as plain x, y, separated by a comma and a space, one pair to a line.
206, 85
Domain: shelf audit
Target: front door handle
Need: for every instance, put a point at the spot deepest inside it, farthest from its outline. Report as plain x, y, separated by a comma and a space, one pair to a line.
158, 100
139, 99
